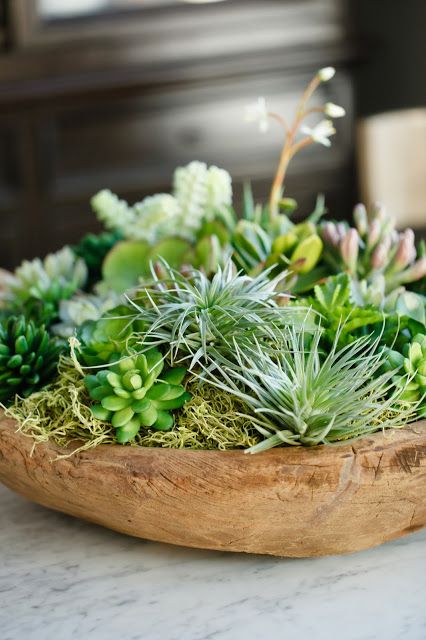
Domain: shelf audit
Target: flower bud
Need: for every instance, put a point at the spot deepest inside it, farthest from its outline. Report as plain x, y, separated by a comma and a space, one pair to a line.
330, 234
361, 219
334, 110
341, 229
415, 272
349, 248
379, 257
406, 251
374, 232
326, 73
379, 212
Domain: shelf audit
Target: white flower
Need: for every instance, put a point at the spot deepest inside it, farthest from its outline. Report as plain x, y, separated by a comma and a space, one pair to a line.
258, 112
321, 132
326, 73
333, 110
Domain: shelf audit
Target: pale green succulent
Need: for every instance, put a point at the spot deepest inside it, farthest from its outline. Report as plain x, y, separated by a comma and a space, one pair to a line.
156, 217
55, 278
80, 308
199, 192
113, 212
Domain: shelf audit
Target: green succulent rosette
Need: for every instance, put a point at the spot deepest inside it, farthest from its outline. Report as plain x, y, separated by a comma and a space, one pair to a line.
136, 393
102, 341
28, 357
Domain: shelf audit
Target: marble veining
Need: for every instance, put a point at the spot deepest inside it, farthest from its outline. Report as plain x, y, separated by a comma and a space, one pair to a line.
62, 579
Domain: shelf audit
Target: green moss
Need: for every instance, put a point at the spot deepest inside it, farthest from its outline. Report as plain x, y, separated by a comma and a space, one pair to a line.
210, 420
60, 413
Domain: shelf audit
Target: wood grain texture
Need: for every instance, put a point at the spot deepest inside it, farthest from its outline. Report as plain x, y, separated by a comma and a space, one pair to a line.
286, 502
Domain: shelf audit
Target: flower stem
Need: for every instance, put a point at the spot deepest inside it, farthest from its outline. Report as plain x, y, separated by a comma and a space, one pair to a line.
289, 149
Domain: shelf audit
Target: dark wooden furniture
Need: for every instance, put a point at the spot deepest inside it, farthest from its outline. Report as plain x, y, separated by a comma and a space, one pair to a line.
121, 96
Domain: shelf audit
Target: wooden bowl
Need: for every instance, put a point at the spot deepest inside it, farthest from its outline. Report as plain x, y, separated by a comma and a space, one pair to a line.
286, 502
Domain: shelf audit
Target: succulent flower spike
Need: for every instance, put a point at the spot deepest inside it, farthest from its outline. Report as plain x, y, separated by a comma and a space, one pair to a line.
131, 394
320, 133
28, 357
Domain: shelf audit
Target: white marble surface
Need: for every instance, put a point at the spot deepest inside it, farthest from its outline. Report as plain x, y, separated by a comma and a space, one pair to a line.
62, 579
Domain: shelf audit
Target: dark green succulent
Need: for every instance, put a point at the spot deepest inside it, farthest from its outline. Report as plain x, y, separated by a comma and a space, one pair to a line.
39, 311
28, 357
93, 248
131, 394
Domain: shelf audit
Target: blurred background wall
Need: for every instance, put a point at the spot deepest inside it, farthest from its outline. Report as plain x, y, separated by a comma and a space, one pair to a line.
117, 93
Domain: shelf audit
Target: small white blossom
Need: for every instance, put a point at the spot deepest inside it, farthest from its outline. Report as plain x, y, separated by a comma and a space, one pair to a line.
258, 112
326, 73
321, 132
334, 110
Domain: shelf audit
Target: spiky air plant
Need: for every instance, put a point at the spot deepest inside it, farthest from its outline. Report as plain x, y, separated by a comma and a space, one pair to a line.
299, 396
28, 357
55, 278
194, 316
136, 392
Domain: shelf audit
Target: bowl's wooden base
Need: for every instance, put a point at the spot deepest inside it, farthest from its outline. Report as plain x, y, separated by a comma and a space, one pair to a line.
286, 502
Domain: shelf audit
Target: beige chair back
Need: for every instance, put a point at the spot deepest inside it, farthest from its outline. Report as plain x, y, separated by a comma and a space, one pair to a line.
392, 164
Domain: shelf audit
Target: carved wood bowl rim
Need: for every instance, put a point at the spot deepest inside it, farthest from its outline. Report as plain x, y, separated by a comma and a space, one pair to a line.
293, 501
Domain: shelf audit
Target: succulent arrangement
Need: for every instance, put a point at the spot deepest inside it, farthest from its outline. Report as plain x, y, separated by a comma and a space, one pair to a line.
192, 322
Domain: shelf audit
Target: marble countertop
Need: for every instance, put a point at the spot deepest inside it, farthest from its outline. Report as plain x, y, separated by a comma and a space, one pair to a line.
62, 579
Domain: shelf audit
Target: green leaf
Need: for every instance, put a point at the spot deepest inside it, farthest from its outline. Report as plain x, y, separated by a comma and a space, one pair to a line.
101, 413
125, 264
114, 403
128, 432
334, 293
174, 376
120, 418
412, 305
175, 251
164, 421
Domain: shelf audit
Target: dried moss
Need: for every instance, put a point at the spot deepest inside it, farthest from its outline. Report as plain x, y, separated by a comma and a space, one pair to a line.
60, 412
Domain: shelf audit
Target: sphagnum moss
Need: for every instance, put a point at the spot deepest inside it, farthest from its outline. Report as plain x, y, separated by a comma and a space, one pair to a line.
61, 413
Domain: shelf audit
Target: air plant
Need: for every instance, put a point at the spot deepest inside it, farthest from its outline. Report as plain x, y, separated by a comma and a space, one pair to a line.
194, 316
298, 395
